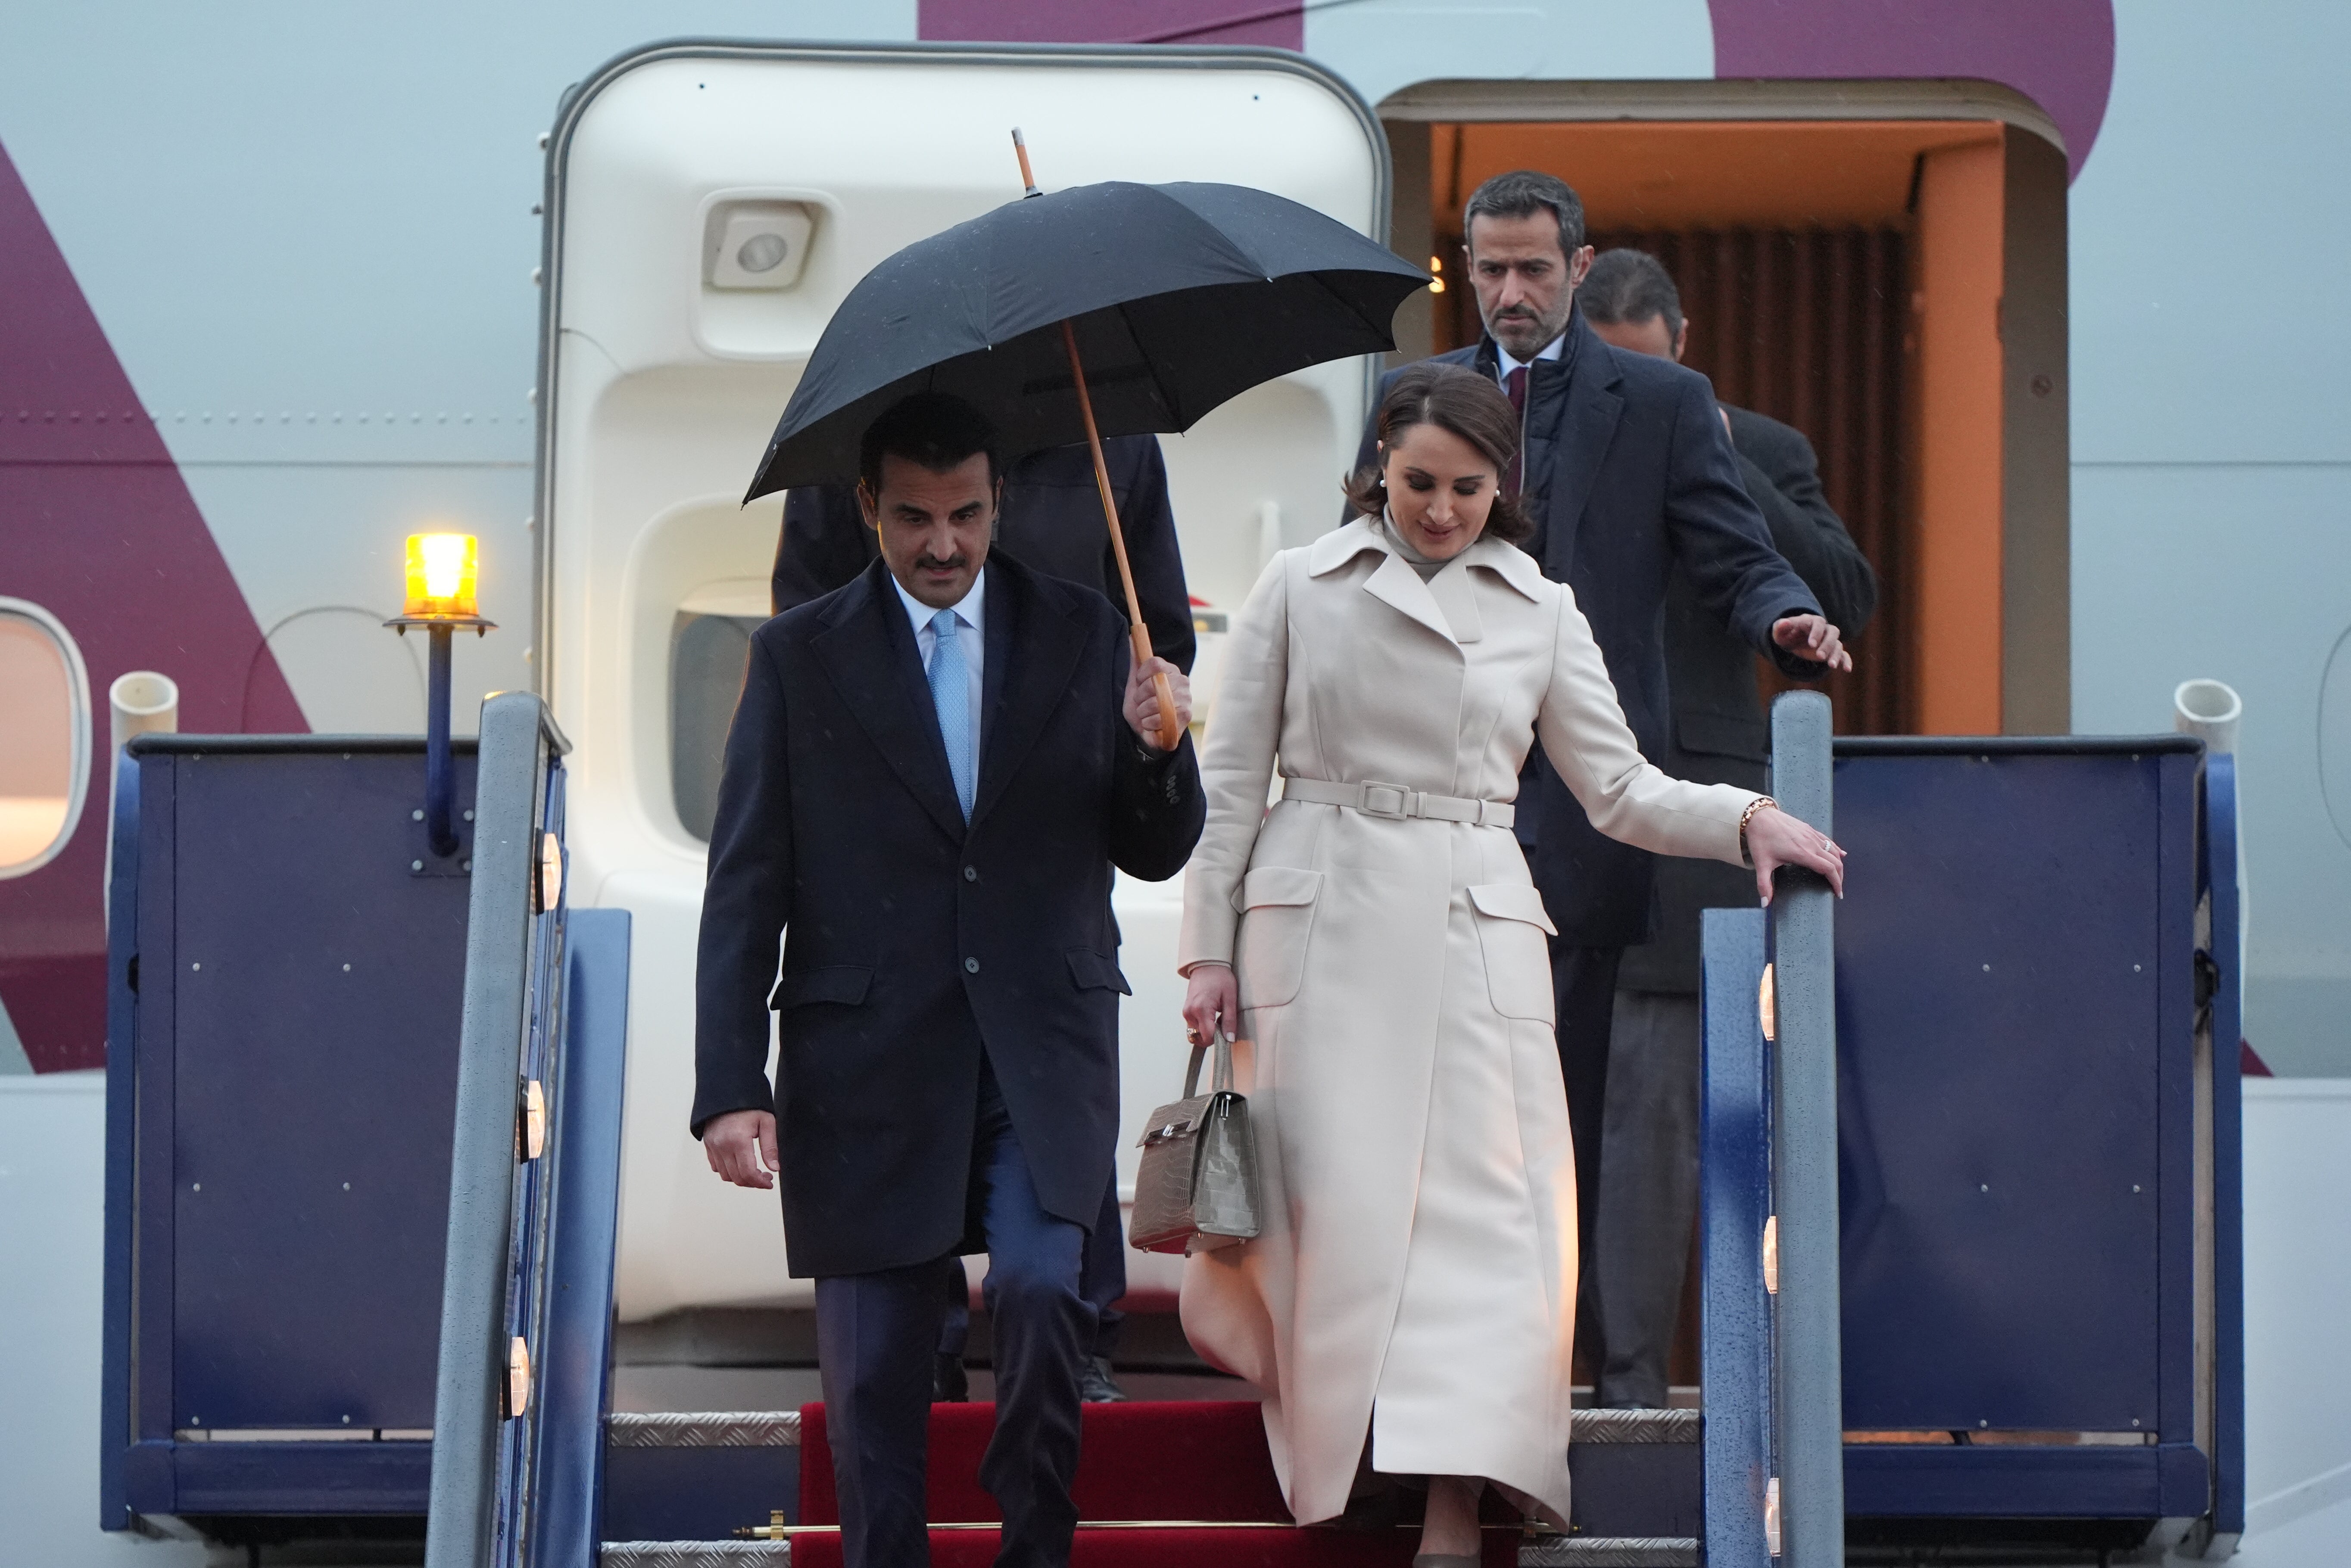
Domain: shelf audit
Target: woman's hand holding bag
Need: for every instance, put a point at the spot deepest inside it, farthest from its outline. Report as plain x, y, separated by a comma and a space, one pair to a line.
1212, 1003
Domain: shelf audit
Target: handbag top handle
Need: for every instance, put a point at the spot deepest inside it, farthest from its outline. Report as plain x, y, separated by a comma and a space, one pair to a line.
1223, 1082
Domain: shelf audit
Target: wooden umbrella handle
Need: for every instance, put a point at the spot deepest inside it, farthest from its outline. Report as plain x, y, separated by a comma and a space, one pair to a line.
1171, 730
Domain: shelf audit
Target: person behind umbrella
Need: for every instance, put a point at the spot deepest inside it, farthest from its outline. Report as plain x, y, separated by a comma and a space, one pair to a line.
1625, 475
1049, 519
930, 776
1377, 939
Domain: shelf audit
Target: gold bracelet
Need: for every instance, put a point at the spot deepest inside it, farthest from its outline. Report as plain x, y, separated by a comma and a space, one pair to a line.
1757, 803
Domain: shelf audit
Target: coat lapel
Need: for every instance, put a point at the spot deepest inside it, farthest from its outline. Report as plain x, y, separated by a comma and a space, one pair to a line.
1033, 646
1393, 582
868, 653
1397, 586
1586, 428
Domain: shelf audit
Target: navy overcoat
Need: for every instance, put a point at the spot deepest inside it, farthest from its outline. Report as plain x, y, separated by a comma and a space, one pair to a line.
1629, 473
913, 943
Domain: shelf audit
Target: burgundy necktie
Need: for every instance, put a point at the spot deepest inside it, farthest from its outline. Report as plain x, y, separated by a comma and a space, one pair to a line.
1515, 384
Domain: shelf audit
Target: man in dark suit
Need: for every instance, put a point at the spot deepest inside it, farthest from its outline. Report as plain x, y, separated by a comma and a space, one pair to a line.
1626, 471
930, 777
1049, 520
1648, 1179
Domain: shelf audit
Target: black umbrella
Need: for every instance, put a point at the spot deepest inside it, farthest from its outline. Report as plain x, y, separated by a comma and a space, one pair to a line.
1109, 309
1182, 297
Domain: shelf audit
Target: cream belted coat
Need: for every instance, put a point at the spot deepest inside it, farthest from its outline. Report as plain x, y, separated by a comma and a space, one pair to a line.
1416, 1276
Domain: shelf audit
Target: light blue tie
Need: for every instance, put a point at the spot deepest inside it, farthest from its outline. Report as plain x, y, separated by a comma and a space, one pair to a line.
951, 695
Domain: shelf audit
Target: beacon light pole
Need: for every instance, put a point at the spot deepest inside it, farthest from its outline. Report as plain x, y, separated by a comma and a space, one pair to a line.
443, 573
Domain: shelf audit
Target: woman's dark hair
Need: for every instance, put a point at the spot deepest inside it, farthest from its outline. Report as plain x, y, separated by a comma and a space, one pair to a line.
1456, 398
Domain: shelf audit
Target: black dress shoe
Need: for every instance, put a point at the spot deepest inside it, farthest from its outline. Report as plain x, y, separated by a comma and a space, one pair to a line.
950, 1384
1095, 1384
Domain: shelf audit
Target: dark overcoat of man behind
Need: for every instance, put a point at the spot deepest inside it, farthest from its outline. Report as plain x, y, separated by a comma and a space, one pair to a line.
930, 777
1648, 1181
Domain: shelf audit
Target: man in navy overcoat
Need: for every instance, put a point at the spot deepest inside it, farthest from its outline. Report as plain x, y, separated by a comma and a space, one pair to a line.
930, 776
1050, 518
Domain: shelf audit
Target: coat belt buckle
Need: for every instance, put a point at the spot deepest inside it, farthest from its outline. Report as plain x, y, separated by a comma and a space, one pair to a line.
1399, 804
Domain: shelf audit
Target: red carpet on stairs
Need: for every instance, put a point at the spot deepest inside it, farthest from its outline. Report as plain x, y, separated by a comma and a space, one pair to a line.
1200, 1461
1207, 1547
1189, 1459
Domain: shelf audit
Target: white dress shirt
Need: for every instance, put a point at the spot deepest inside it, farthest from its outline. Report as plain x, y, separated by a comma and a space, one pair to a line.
969, 622
1504, 364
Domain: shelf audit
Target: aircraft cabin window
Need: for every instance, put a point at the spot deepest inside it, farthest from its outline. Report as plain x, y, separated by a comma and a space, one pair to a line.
705, 676
43, 736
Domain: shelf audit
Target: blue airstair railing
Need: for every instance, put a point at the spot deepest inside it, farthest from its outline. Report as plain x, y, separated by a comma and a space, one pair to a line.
1735, 1139
2221, 1028
527, 1296
2042, 1133
1773, 1446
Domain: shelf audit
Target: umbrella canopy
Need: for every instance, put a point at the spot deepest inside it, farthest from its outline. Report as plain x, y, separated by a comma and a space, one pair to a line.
1182, 297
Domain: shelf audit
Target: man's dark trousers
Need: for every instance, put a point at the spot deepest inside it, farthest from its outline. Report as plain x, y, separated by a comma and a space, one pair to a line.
1101, 1280
874, 1337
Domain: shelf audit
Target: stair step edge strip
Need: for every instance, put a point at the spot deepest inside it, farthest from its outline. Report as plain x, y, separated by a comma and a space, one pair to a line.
704, 1429
1610, 1552
782, 1428
696, 1553
1636, 1426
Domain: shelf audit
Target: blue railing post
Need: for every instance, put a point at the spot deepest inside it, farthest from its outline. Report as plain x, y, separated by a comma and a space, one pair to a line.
1809, 1377
468, 1398
2227, 1031
1735, 1172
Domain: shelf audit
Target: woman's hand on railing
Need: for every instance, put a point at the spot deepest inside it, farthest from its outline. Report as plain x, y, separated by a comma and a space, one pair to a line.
1775, 839
741, 1147
1212, 1000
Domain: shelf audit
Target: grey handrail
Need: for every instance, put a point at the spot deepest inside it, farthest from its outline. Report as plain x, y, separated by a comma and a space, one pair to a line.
518, 739
1809, 1393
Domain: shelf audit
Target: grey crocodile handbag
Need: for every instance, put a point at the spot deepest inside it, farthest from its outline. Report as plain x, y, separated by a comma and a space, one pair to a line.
1197, 1189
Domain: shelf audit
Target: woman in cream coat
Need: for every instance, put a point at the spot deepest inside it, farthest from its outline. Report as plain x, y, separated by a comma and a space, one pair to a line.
1409, 1304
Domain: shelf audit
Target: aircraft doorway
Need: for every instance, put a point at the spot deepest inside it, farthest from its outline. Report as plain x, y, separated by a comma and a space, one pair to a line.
1891, 285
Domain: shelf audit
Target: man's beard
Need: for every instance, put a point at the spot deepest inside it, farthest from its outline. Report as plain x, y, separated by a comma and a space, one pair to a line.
1525, 334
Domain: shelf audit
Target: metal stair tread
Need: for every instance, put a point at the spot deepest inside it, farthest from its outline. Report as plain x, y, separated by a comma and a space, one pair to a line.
1636, 1426
695, 1553
782, 1428
702, 1429
1610, 1552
